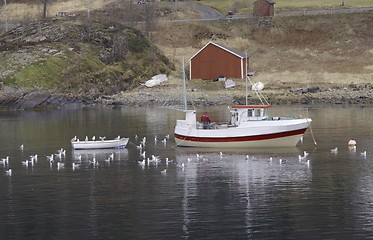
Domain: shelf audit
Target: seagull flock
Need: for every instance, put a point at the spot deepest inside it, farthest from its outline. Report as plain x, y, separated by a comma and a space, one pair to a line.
57, 159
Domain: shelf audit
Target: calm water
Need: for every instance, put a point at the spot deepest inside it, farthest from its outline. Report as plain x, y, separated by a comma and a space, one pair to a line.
214, 197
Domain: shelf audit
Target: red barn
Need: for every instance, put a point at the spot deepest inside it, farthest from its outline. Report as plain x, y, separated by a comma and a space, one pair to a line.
215, 60
264, 8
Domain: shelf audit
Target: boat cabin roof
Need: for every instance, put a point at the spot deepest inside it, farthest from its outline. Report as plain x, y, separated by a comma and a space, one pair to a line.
251, 106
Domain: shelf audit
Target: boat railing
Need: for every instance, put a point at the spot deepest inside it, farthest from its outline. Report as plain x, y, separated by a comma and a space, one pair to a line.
289, 112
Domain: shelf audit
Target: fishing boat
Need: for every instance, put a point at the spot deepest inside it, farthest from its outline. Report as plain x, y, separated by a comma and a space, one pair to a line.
99, 144
248, 126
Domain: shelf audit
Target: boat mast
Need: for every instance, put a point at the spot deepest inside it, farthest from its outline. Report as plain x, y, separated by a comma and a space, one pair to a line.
184, 85
246, 79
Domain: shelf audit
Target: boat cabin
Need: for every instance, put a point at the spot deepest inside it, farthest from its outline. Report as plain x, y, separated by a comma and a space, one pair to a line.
238, 114
244, 113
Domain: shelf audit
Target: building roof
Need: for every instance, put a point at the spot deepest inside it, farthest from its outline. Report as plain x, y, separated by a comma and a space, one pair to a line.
234, 52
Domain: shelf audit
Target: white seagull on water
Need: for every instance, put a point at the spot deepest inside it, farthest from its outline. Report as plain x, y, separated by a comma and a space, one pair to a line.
334, 150
8, 172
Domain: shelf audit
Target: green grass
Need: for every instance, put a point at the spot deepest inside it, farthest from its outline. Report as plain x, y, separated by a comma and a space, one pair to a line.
42, 74
224, 6
320, 4
50, 72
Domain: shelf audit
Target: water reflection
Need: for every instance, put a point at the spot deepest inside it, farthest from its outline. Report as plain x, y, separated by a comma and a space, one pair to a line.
244, 177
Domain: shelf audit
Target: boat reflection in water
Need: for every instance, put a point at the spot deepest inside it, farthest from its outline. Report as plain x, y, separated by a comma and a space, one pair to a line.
242, 176
100, 154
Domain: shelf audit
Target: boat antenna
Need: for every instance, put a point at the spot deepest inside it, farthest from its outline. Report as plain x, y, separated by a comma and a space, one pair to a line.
184, 84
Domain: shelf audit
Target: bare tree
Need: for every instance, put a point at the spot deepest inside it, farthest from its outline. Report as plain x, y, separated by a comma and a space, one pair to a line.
88, 9
120, 47
44, 2
149, 17
6, 16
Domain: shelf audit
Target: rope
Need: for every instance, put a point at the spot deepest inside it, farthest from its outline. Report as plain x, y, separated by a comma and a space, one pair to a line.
314, 141
190, 129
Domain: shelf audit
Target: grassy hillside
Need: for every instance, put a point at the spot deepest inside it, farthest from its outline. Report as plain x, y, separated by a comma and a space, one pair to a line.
107, 58
92, 59
318, 49
245, 6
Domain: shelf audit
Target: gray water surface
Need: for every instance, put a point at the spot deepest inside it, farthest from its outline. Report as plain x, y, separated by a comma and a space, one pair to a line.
243, 194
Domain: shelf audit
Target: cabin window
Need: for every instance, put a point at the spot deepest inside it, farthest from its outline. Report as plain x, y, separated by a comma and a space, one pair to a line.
250, 112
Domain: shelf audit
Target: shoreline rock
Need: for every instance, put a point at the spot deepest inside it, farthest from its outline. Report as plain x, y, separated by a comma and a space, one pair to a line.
22, 99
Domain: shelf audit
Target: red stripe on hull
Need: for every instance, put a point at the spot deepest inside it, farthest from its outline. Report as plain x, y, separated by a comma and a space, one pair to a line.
242, 139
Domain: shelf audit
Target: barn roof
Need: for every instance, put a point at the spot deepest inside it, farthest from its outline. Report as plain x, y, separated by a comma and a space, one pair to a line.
234, 52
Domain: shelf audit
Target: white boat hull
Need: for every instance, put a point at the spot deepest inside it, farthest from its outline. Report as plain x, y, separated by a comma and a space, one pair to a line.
101, 144
267, 133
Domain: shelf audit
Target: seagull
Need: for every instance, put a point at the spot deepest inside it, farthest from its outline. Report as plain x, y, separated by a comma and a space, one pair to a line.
25, 163
34, 157
108, 160
118, 137
94, 162
102, 138
86, 138
142, 163
50, 158
155, 138
21, 147
59, 155
334, 150
62, 151
5, 160
282, 161
167, 136
164, 171
111, 156
93, 138
221, 154
301, 158
308, 163
270, 159
168, 161
75, 166
60, 165
32, 161
364, 154
164, 141
8, 172
305, 154
139, 146
156, 159
142, 154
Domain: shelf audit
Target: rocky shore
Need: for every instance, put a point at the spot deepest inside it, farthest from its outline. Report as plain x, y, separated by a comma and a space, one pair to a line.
169, 95
342, 94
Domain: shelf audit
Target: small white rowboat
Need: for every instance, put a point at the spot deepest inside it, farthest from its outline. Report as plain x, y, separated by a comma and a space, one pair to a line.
99, 144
